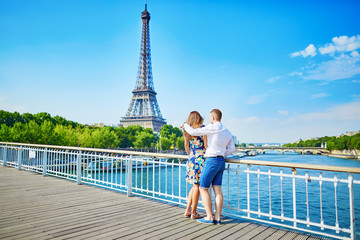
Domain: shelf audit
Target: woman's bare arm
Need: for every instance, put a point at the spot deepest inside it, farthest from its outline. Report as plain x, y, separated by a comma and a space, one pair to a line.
205, 142
186, 144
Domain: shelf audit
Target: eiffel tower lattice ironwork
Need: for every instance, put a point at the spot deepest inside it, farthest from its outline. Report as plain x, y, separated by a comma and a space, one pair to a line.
144, 109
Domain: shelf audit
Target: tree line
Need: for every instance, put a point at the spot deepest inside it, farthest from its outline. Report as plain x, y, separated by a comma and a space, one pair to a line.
332, 143
42, 128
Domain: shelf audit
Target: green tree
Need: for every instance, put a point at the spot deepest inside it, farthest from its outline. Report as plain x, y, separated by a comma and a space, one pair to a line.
27, 117
40, 118
180, 143
104, 138
47, 133
330, 145
123, 138
131, 132
85, 138
144, 139
32, 132
355, 141
164, 143
5, 134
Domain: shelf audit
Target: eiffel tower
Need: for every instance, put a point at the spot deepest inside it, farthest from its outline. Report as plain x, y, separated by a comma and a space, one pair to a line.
144, 109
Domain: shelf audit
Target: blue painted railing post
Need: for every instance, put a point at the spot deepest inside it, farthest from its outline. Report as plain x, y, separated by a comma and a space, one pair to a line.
19, 158
45, 162
78, 168
129, 177
4, 155
352, 213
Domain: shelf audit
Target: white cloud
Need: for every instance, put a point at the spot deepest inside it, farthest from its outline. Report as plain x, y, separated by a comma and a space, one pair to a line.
308, 51
356, 81
273, 79
319, 95
340, 67
341, 44
347, 111
283, 113
329, 122
295, 73
354, 54
355, 96
327, 49
295, 54
345, 64
255, 99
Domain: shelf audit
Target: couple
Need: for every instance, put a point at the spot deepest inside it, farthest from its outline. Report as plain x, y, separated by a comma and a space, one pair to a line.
209, 145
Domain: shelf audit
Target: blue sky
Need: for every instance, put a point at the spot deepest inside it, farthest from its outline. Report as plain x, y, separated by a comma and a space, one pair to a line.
279, 70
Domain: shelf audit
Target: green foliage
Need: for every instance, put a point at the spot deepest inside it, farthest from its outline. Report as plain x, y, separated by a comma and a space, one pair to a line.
10, 119
172, 136
164, 143
104, 138
332, 143
180, 143
42, 128
5, 133
144, 139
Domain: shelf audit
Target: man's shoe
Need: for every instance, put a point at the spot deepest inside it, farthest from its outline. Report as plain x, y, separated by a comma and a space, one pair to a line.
217, 222
203, 220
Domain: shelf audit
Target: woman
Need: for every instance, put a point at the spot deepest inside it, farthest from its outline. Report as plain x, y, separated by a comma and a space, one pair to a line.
195, 148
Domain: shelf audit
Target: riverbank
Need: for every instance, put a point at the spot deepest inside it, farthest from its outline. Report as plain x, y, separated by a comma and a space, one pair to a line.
347, 154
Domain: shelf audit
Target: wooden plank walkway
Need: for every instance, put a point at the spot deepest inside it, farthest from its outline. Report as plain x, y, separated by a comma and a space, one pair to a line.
37, 207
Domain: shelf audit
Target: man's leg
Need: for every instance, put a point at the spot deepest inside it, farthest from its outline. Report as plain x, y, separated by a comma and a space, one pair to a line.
206, 201
219, 199
207, 176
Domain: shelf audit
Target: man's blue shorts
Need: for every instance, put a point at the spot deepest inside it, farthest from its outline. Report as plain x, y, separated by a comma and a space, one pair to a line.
212, 172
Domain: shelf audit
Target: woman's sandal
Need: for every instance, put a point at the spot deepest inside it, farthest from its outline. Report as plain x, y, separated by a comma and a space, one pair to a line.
187, 214
196, 216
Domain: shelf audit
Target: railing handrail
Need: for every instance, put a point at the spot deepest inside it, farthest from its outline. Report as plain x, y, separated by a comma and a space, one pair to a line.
161, 155
165, 155
296, 165
282, 148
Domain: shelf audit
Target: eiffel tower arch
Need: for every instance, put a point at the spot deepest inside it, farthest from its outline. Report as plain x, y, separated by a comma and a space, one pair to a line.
144, 109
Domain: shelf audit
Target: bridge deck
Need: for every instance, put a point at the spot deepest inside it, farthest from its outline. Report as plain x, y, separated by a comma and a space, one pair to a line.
34, 207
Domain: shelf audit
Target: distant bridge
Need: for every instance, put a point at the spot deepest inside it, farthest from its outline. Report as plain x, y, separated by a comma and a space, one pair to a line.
302, 150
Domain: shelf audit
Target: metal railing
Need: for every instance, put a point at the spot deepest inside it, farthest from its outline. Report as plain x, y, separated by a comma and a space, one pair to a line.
312, 198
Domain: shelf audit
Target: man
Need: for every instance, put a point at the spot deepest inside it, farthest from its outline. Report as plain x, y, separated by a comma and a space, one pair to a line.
220, 144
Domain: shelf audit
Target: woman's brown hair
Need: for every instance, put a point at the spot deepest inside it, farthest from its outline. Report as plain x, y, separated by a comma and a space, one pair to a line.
195, 120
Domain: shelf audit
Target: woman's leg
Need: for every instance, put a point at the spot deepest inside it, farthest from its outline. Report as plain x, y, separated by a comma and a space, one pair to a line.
195, 197
189, 203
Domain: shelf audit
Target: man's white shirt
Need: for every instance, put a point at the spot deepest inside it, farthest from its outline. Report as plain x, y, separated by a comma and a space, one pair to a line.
220, 140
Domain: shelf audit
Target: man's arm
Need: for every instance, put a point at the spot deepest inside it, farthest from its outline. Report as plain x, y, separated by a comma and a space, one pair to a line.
201, 131
230, 147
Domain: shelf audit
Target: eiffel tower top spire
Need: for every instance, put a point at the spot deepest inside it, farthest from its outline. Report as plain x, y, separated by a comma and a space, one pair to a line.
144, 80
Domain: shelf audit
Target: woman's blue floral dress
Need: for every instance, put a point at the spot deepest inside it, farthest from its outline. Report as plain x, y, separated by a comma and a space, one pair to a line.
196, 160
